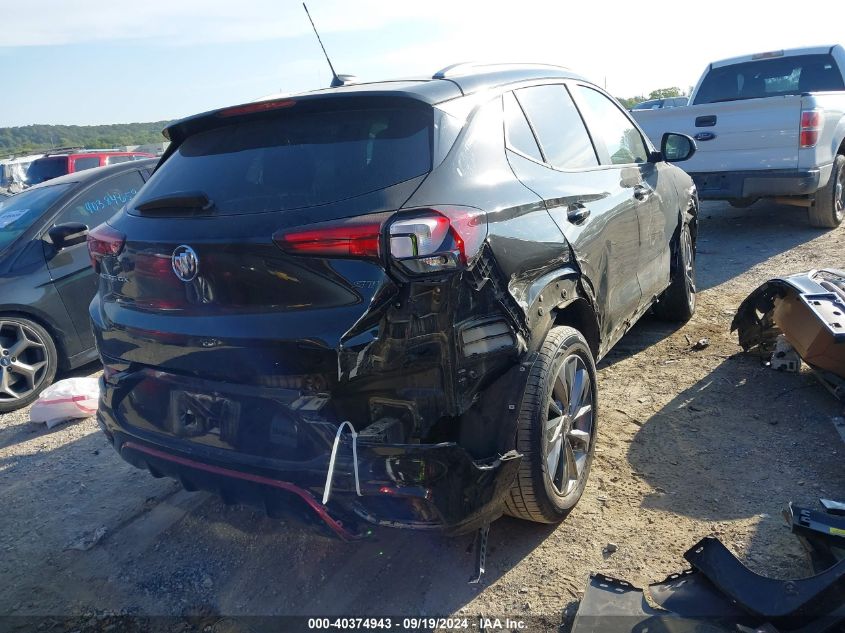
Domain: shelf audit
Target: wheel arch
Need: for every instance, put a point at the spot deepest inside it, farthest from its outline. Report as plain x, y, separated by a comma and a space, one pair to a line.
579, 314
561, 298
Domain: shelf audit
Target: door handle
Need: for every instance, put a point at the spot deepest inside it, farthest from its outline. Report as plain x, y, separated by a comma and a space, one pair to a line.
577, 213
642, 193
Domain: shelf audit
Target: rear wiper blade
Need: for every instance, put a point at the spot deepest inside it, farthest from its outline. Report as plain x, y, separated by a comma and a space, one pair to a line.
196, 200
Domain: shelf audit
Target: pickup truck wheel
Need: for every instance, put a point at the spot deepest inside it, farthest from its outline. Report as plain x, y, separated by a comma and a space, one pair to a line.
677, 303
28, 362
828, 209
556, 432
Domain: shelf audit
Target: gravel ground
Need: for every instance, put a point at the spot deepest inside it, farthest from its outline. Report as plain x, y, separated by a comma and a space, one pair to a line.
691, 443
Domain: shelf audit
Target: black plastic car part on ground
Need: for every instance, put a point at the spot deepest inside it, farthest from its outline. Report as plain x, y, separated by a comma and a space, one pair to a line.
720, 594
46, 281
382, 303
821, 533
808, 309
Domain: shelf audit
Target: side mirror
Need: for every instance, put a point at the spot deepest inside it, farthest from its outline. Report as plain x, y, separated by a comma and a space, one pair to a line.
677, 147
64, 235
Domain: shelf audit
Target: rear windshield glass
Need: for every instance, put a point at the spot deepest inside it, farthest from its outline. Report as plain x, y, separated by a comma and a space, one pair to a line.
648, 105
46, 169
298, 161
770, 77
19, 212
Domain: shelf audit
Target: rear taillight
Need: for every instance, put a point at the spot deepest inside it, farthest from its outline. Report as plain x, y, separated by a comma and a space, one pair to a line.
810, 127
354, 237
420, 240
434, 240
104, 241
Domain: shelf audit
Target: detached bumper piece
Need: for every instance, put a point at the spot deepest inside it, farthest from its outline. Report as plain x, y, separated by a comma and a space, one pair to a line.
808, 309
821, 533
720, 594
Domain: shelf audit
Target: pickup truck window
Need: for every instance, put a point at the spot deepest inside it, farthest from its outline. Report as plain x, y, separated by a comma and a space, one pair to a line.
770, 77
608, 124
88, 162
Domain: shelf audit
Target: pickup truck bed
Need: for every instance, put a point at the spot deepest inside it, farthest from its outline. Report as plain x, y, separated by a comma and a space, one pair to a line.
766, 126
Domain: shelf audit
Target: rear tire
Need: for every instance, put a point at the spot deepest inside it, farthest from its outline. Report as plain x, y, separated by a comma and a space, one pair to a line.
677, 303
556, 432
28, 362
828, 208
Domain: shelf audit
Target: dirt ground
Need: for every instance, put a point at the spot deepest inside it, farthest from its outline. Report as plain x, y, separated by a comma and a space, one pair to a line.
691, 443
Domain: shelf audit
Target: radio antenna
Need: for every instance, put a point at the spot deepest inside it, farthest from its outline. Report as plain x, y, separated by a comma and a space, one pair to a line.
336, 80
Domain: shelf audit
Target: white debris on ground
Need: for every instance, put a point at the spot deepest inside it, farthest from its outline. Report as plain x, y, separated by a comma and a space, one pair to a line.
69, 399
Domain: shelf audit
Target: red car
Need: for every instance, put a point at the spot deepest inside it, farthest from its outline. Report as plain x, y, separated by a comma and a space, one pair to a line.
55, 165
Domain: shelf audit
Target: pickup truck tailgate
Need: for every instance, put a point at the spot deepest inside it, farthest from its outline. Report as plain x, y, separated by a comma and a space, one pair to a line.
733, 135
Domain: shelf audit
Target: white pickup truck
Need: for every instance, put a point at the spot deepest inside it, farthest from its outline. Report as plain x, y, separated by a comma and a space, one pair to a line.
770, 125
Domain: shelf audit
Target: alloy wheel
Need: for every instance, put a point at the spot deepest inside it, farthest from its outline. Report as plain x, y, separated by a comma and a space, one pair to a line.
23, 361
839, 195
688, 259
569, 427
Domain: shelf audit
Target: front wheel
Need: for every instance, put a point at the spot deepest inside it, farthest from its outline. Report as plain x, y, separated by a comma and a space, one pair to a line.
677, 303
828, 208
28, 362
556, 433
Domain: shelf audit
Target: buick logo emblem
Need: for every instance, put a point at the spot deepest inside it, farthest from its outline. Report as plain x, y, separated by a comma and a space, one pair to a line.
185, 263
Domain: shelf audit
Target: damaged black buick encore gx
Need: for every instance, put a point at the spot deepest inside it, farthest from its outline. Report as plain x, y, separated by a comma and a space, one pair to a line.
383, 303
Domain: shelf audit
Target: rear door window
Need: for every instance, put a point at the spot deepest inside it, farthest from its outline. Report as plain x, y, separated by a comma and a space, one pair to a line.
559, 128
102, 200
298, 160
610, 125
770, 77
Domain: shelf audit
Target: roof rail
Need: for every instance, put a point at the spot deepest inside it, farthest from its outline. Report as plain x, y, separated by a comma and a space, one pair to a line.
61, 150
80, 150
463, 68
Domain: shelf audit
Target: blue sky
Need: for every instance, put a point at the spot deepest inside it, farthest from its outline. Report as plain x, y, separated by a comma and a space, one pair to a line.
116, 61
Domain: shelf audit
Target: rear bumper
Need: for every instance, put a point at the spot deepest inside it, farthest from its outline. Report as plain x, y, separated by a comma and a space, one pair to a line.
723, 185
417, 486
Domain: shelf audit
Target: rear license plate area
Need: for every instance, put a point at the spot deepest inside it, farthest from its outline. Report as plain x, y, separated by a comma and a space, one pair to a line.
199, 414
711, 183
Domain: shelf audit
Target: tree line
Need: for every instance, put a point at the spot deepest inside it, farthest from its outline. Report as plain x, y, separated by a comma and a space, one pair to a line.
35, 138
660, 93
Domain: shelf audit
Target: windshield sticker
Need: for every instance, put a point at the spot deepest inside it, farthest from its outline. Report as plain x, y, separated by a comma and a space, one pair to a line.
10, 216
114, 199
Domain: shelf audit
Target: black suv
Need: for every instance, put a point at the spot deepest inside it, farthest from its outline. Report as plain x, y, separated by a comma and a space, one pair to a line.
46, 281
383, 302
